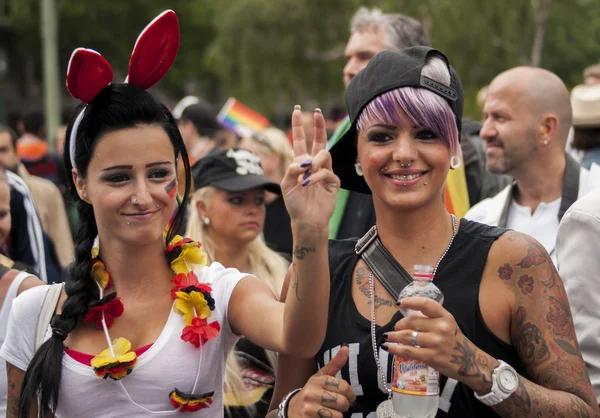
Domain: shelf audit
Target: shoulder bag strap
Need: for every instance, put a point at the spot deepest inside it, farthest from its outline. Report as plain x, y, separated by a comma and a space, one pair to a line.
384, 266
48, 309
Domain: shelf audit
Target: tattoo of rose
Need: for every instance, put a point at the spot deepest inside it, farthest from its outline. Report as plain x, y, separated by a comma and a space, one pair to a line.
505, 272
526, 284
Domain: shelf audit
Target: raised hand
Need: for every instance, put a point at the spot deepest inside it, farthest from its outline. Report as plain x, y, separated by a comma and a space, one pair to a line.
324, 395
309, 187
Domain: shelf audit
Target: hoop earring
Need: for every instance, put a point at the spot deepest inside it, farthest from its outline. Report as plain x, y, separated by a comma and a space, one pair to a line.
359, 169
455, 162
206, 221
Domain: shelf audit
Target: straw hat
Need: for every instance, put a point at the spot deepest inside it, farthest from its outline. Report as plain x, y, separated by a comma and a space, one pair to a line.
585, 100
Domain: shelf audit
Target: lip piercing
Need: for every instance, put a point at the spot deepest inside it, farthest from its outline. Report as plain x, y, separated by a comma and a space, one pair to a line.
384, 169
157, 206
128, 223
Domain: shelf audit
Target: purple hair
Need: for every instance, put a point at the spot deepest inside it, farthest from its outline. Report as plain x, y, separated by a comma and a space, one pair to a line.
424, 108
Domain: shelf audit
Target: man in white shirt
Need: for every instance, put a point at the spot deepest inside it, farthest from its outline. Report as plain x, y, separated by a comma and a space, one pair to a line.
578, 256
527, 117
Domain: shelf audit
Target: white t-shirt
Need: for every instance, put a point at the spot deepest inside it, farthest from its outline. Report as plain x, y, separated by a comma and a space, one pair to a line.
170, 363
4, 315
541, 225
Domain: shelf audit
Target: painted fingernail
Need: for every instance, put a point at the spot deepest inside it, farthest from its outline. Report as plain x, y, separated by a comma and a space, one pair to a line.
385, 348
345, 345
307, 174
398, 304
318, 110
385, 336
305, 182
306, 163
297, 107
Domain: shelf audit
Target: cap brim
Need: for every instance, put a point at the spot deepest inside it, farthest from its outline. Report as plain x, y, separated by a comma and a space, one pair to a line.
248, 182
343, 158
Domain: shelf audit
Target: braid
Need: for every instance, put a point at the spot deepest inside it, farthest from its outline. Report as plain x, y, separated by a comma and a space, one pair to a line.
44, 372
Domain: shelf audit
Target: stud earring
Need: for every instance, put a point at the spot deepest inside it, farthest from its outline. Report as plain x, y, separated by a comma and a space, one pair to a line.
455, 162
206, 221
545, 142
359, 169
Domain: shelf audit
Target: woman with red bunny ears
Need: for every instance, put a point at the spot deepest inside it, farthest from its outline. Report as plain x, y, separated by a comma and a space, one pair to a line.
134, 278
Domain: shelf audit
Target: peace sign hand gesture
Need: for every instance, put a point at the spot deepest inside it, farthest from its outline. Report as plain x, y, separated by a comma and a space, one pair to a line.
309, 187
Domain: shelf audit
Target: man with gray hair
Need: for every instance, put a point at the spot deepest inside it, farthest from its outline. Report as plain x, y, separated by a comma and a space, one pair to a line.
372, 32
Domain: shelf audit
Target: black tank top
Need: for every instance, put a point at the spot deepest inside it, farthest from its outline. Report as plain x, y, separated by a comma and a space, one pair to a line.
458, 277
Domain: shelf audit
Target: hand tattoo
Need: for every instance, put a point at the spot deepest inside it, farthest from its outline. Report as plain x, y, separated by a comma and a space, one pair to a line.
324, 413
300, 252
329, 398
333, 383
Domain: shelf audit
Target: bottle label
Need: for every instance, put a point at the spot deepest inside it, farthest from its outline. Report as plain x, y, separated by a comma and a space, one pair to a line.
415, 378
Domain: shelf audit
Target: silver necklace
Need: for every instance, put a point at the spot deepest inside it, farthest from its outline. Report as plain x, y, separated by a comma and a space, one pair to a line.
386, 408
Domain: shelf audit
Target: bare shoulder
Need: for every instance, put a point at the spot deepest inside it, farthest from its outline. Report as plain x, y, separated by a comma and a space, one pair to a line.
28, 283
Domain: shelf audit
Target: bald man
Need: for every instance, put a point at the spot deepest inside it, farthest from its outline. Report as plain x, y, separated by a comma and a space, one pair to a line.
527, 117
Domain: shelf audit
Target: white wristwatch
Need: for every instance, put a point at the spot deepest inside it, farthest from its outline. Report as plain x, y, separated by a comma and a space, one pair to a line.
505, 381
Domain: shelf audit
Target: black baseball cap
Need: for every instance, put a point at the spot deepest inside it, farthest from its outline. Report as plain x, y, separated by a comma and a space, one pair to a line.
388, 70
232, 170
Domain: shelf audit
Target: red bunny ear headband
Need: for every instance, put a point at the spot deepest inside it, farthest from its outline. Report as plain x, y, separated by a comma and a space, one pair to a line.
153, 54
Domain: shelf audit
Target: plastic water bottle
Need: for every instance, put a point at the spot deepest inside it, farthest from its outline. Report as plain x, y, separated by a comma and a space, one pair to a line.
415, 385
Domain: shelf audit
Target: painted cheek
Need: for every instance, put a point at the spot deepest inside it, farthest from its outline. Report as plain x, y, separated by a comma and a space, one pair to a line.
376, 160
171, 188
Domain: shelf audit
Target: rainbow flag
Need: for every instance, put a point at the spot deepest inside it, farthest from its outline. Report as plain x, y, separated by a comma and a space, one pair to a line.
240, 119
456, 195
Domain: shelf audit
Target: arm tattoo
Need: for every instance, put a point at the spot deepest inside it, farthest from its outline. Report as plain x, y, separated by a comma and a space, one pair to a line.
521, 398
295, 283
300, 252
526, 284
362, 281
329, 398
505, 272
558, 316
535, 257
469, 361
530, 341
324, 413
333, 383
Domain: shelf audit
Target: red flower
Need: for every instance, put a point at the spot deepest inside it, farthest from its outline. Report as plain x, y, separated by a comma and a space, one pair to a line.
526, 284
183, 281
112, 307
505, 272
200, 331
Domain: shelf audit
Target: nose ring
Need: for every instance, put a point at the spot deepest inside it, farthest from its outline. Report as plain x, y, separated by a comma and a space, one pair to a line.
134, 199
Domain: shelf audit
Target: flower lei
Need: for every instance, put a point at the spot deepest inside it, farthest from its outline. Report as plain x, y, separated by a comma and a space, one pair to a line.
192, 300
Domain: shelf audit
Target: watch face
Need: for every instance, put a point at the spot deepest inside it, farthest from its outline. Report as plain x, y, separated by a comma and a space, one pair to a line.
508, 380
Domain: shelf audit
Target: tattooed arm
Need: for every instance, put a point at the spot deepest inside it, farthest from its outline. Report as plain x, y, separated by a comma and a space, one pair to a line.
542, 332
531, 312
14, 377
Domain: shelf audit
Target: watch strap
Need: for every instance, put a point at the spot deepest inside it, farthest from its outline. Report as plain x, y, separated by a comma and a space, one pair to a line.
496, 395
283, 406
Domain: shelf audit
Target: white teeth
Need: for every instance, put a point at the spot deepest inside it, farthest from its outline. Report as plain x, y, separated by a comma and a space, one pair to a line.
405, 177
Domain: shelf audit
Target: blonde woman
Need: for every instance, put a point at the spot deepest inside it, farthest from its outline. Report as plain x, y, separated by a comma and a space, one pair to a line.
228, 212
276, 155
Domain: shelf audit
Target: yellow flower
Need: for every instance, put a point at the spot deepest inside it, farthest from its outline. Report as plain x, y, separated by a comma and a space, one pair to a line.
187, 302
99, 273
121, 347
95, 252
191, 255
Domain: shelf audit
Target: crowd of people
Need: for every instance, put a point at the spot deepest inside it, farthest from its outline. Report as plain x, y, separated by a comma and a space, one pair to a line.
156, 263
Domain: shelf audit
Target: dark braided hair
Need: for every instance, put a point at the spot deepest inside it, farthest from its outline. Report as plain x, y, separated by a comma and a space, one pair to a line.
116, 107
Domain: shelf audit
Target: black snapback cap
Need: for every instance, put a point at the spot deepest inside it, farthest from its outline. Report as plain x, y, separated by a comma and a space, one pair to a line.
232, 170
388, 70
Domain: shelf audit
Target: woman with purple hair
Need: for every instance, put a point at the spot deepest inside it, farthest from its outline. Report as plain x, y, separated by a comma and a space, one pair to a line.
502, 341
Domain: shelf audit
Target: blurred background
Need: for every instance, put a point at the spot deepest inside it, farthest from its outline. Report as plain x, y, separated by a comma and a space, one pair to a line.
271, 54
